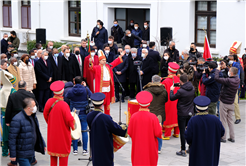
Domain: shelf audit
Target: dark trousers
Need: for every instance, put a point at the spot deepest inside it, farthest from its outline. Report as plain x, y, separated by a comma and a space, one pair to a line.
117, 90
43, 96
243, 91
127, 88
132, 89
182, 122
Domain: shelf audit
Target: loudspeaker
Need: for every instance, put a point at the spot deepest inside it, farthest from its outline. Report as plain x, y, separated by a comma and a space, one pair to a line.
41, 36
166, 35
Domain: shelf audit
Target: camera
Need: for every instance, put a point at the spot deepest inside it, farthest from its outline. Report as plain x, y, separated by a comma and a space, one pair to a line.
176, 84
137, 63
192, 63
181, 65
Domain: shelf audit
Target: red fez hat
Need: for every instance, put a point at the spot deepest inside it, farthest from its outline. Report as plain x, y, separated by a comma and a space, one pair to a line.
144, 98
173, 67
57, 87
101, 55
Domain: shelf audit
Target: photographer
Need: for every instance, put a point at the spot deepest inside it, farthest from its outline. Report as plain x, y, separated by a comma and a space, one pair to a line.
194, 52
212, 87
78, 96
185, 107
198, 74
187, 69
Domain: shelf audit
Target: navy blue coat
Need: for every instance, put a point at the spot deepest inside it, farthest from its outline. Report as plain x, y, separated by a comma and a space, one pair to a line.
43, 73
110, 57
203, 134
156, 59
101, 38
117, 32
147, 66
68, 86
122, 68
138, 33
101, 138
4, 46
21, 136
212, 86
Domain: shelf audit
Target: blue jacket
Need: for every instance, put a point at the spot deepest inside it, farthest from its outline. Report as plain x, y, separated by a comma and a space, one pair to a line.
138, 33
122, 68
21, 136
212, 86
68, 86
237, 65
4, 46
101, 38
78, 97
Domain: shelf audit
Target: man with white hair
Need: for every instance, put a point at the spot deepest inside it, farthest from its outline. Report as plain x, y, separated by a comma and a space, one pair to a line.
44, 72
146, 67
174, 53
4, 43
185, 55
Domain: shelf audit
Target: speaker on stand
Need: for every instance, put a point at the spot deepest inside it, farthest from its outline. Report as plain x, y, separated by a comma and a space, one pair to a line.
41, 35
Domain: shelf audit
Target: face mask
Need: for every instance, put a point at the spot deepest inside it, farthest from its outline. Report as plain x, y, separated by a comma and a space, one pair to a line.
115, 25
182, 56
173, 47
166, 57
6, 59
229, 74
230, 62
51, 47
144, 45
6, 38
110, 42
107, 51
67, 54
41, 48
97, 26
95, 50
56, 55
77, 52
191, 49
15, 63
127, 50
134, 55
143, 55
145, 26
131, 24
36, 54
27, 61
46, 57
15, 55
129, 35
92, 54
136, 28
92, 44
34, 109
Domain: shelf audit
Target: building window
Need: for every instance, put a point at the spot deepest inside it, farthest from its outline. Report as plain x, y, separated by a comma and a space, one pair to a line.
25, 14
7, 15
74, 20
205, 19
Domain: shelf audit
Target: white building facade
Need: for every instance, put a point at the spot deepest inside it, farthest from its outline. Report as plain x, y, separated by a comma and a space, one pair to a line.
69, 21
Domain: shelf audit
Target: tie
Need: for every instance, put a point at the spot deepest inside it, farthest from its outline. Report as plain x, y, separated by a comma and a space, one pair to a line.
78, 59
33, 62
56, 61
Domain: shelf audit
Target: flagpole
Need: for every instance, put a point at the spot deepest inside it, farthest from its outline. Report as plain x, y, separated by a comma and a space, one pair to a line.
88, 38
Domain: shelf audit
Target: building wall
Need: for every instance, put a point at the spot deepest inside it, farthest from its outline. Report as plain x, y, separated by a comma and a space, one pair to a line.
53, 15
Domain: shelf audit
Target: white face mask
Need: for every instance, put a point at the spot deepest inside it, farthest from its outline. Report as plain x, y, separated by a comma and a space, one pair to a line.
6, 59
46, 57
144, 45
229, 74
15, 55
92, 44
131, 24
5, 38
67, 54
136, 28
51, 47
36, 54
95, 50
110, 42
129, 35
33, 57
145, 26
92, 54
107, 51
34, 109
98, 26
15, 63
166, 57
143, 55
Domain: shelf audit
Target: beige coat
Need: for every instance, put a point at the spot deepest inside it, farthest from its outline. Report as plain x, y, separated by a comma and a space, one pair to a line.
14, 70
27, 74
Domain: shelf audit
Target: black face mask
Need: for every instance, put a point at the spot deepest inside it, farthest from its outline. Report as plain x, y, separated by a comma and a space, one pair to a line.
191, 49
173, 47
77, 52
27, 61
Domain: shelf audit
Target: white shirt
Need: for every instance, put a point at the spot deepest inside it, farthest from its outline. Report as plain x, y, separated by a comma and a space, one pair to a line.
106, 77
79, 59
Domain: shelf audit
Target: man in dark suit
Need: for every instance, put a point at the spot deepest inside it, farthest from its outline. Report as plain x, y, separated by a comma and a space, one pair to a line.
156, 58
133, 76
120, 72
146, 68
4, 43
78, 62
56, 64
83, 49
174, 53
128, 39
44, 73
63, 47
68, 67
109, 55
127, 54
112, 45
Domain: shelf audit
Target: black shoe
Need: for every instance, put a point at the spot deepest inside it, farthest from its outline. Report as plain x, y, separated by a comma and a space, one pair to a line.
122, 100
116, 100
41, 110
188, 151
223, 140
232, 140
79, 143
181, 153
237, 121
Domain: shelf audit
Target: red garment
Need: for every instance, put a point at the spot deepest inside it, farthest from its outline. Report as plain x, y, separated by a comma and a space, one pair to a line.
60, 121
63, 161
89, 76
98, 72
171, 106
168, 131
106, 103
203, 88
144, 128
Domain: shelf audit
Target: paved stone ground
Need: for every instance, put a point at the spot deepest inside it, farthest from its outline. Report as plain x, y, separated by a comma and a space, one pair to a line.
232, 154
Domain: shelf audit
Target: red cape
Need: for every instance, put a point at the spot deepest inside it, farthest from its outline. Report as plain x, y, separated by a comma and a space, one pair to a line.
60, 121
98, 72
171, 106
144, 128
89, 76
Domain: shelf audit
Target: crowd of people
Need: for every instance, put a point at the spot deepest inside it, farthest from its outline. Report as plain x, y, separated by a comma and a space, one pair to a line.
174, 87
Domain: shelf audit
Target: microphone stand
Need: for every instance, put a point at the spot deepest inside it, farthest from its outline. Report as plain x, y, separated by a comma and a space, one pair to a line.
123, 91
140, 79
90, 155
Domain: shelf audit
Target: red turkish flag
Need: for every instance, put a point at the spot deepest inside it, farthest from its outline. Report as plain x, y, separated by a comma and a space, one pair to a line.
206, 53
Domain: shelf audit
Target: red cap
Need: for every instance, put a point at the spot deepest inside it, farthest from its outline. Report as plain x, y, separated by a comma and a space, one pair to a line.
144, 98
173, 67
57, 87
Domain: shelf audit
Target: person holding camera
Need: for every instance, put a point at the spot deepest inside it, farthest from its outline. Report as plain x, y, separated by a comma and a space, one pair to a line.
198, 74
187, 69
212, 87
78, 96
185, 107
